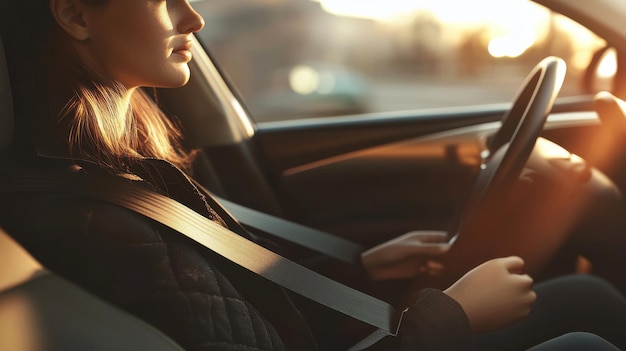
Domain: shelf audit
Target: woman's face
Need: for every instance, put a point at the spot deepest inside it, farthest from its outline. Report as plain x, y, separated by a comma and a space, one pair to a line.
142, 42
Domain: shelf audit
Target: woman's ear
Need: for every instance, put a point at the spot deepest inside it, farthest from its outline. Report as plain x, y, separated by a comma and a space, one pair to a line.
70, 17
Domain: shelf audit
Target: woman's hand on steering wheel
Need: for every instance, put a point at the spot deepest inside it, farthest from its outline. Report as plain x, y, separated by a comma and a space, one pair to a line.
495, 294
412, 254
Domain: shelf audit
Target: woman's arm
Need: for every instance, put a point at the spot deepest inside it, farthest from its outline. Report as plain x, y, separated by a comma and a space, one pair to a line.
491, 296
436, 322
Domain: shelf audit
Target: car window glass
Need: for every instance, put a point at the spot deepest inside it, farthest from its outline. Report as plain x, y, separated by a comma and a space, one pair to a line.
294, 59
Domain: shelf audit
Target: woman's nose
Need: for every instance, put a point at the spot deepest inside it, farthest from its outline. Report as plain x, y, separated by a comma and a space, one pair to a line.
191, 22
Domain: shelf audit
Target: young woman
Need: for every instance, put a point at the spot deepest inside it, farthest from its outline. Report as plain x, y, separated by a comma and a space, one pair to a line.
97, 55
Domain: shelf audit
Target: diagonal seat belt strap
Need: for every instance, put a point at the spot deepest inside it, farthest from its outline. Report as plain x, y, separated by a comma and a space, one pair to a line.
224, 242
317, 240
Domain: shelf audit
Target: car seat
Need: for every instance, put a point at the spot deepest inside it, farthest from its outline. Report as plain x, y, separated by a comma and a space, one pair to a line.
41, 311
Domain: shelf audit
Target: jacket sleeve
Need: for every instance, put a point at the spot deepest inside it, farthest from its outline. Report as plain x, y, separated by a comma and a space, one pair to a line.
434, 322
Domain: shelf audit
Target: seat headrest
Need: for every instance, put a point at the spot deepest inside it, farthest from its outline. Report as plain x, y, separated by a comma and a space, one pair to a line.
6, 102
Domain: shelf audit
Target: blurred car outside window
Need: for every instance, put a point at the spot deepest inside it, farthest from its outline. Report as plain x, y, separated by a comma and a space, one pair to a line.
293, 59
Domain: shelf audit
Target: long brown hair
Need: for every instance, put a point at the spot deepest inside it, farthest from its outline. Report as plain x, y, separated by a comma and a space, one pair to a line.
98, 124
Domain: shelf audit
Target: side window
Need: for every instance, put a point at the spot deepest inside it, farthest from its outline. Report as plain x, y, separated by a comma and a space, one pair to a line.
294, 59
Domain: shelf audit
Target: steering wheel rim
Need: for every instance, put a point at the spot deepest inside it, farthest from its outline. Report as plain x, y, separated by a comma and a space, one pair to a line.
512, 144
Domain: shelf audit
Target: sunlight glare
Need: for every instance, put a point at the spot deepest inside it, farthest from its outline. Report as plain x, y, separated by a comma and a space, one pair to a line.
462, 12
304, 80
511, 26
512, 45
608, 65
372, 9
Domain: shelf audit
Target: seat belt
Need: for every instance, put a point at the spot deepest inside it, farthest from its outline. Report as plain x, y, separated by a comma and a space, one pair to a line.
316, 240
222, 241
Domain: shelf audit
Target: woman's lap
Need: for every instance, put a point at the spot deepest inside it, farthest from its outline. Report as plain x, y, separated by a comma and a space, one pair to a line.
574, 303
576, 342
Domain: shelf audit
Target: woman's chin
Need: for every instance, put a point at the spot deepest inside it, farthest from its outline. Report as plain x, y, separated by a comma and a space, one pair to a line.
174, 80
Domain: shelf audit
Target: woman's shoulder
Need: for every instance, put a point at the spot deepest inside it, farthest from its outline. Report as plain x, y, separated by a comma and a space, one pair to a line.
79, 236
50, 215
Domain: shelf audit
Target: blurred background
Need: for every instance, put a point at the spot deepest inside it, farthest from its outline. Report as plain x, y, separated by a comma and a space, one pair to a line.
293, 59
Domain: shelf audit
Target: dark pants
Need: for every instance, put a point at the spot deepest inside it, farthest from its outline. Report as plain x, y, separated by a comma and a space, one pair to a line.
570, 304
576, 342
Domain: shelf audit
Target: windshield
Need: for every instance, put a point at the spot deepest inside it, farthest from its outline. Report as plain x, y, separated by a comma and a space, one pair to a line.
303, 58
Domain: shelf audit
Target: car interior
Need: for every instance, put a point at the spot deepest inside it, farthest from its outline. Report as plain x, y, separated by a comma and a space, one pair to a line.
367, 178
371, 178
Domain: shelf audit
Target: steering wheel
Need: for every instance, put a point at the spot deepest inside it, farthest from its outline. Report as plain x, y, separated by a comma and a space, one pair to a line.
513, 143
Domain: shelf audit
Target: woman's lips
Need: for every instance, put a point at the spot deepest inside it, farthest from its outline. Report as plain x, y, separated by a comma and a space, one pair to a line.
183, 51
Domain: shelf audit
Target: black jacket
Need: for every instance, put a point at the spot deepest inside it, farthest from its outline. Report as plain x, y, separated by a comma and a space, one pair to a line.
193, 295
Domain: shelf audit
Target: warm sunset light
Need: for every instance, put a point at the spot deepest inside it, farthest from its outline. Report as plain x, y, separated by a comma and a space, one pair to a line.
474, 11
510, 33
512, 45
608, 65
373, 9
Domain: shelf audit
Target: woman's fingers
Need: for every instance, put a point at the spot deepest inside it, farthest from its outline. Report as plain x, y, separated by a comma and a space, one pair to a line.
495, 293
513, 264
